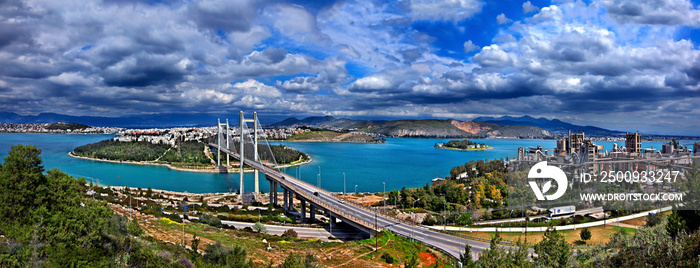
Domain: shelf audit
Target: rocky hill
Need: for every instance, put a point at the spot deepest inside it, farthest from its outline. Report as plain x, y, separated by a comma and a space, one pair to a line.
450, 129
333, 136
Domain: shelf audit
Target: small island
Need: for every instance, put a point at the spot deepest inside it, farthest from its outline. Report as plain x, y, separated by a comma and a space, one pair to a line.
322, 135
463, 145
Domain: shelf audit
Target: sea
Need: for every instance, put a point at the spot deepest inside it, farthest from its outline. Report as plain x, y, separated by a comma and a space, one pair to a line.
337, 167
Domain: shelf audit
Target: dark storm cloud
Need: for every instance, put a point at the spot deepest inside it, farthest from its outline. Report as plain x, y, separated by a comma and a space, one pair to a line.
269, 56
655, 12
145, 70
227, 17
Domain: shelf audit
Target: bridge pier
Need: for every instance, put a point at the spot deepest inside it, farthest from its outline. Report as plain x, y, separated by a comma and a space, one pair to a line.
312, 209
291, 201
274, 200
270, 192
331, 220
303, 209
284, 198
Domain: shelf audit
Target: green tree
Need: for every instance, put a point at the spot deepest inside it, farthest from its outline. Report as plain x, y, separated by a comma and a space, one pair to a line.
585, 234
676, 224
464, 219
466, 257
23, 186
292, 262
495, 256
552, 251
195, 244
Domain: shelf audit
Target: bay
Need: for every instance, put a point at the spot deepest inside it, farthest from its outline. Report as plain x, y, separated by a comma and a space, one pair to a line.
397, 163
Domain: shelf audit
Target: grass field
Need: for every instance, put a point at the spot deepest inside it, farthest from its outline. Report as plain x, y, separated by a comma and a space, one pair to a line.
600, 235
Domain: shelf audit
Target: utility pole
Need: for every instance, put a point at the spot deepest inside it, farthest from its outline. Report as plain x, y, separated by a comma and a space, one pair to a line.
184, 210
384, 196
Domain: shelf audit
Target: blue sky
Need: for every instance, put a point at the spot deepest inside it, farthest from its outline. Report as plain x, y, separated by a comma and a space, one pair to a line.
627, 65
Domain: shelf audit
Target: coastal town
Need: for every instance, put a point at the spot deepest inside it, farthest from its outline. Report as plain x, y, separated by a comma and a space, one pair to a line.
57, 128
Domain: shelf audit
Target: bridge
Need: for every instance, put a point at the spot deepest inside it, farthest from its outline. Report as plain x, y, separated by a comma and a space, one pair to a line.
363, 218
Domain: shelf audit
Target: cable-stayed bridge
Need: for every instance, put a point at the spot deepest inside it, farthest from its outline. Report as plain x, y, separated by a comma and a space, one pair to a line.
363, 218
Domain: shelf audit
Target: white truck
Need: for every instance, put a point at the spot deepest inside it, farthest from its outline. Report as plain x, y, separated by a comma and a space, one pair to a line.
559, 211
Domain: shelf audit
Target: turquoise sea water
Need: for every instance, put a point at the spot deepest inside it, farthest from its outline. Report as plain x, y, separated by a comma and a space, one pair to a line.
398, 162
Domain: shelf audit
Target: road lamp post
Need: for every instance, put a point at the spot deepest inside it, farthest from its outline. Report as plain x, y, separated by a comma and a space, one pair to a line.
344, 190
413, 219
444, 211
509, 217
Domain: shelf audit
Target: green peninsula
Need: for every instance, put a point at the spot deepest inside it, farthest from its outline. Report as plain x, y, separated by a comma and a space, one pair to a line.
465, 145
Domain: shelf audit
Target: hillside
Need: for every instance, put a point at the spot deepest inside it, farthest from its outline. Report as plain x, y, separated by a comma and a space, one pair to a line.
325, 122
333, 136
66, 126
553, 125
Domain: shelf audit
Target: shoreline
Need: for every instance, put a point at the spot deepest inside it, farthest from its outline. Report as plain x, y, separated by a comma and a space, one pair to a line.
208, 170
320, 141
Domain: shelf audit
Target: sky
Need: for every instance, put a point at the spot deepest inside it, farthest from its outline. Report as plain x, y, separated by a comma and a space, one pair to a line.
624, 65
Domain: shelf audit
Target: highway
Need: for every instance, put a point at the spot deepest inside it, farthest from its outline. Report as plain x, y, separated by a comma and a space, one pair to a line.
452, 245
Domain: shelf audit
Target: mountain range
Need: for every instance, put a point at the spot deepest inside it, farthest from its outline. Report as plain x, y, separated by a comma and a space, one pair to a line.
133, 121
505, 126
419, 128
553, 125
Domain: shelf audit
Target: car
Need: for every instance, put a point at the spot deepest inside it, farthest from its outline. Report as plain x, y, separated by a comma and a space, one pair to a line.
316, 193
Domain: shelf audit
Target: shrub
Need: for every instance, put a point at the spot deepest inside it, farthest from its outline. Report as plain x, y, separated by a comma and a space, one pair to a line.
290, 233
387, 258
133, 228
174, 217
213, 221
259, 227
429, 220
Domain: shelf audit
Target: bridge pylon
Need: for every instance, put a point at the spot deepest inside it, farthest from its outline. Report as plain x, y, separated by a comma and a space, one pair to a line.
242, 137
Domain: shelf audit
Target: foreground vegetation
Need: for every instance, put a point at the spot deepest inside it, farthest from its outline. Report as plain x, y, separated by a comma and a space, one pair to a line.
49, 221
